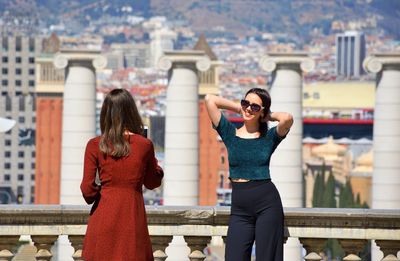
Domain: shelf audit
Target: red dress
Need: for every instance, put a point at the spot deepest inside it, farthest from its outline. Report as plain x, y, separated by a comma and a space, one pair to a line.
117, 226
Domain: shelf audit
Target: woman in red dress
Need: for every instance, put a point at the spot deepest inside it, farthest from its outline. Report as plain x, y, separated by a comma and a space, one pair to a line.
125, 160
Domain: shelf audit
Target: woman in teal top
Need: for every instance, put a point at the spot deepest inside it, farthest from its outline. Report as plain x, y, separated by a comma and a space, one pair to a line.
256, 211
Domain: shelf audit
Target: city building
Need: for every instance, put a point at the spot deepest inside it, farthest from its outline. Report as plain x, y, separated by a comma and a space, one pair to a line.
331, 109
49, 106
17, 102
350, 53
128, 56
361, 177
162, 39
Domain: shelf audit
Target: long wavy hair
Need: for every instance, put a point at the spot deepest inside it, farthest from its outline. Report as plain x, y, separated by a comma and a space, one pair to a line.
266, 103
118, 114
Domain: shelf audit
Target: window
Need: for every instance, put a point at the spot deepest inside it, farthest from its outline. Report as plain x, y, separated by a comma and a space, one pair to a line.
21, 103
7, 165
7, 142
316, 95
33, 154
31, 60
4, 59
7, 154
21, 119
18, 71
18, 83
18, 59
33, 177
4, 71
4, 82
31, 44
18, 43
31, 83
31, 71
20, 177
306, 95
7, 177
20, 165
33, 165
5, 43
21, 154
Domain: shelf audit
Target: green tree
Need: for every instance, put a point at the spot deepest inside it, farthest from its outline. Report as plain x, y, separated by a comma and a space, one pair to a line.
328, 200
318, 193
346, 197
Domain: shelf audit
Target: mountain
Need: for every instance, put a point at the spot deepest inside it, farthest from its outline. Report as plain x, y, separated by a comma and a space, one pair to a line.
296, 18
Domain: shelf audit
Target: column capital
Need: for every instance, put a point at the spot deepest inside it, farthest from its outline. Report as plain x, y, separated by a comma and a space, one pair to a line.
375, 62
271, 61
64, 58
171, 58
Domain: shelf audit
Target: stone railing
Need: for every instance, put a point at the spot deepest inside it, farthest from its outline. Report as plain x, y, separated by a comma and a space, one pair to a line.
312, 226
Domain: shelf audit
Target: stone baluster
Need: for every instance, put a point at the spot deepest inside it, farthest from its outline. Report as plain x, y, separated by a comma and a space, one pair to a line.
7, 243
197, 245
313, 246
352, 248
43, 243
389, 249
159, 244
77, 244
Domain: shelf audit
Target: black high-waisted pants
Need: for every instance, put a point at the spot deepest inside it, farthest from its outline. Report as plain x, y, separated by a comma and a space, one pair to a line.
256, 214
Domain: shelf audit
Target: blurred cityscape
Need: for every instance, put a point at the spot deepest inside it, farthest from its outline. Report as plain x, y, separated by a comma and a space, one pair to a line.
338, 95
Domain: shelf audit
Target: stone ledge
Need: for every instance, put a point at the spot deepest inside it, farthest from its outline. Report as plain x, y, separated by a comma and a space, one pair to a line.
201, 215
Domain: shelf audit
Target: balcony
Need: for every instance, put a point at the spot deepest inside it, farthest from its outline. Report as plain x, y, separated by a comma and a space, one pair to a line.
352, 227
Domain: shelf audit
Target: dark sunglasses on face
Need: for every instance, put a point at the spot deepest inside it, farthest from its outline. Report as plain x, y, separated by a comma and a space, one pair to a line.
254, 107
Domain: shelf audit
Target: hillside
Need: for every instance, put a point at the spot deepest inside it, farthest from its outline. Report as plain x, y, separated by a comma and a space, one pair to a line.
297, 18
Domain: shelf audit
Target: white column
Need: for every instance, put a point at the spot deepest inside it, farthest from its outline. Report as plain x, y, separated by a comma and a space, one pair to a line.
181, 167
386, 139
181, 127
78, 125
286, 163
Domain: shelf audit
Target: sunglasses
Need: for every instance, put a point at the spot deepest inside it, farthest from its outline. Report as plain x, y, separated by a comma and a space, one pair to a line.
254, 107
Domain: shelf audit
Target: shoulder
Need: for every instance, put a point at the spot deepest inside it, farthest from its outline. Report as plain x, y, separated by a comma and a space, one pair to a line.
94, 141
273, 134
142, 141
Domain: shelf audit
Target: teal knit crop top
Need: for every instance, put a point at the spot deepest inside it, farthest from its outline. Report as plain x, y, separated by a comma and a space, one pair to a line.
248, 158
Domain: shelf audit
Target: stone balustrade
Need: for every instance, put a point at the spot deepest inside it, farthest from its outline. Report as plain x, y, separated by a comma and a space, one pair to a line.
313, 226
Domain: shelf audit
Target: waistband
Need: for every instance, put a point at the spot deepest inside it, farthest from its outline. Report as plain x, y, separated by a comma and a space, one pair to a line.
250, 183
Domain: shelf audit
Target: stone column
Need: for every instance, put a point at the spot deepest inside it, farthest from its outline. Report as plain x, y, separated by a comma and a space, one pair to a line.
181, 127
78, 124
386, 139
181, 167
286, 163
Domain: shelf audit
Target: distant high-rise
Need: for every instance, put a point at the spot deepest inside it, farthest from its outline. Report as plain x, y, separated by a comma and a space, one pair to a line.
161, 40
350, 53
17, 102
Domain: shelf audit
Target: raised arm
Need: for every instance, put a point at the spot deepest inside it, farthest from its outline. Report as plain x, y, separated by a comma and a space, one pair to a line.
215, 103
285, 122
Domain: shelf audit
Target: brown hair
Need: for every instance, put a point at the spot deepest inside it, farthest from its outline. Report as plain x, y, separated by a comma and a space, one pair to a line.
118, 114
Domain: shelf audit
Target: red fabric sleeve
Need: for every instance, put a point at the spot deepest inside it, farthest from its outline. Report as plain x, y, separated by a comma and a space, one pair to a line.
153, 173
90, 190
